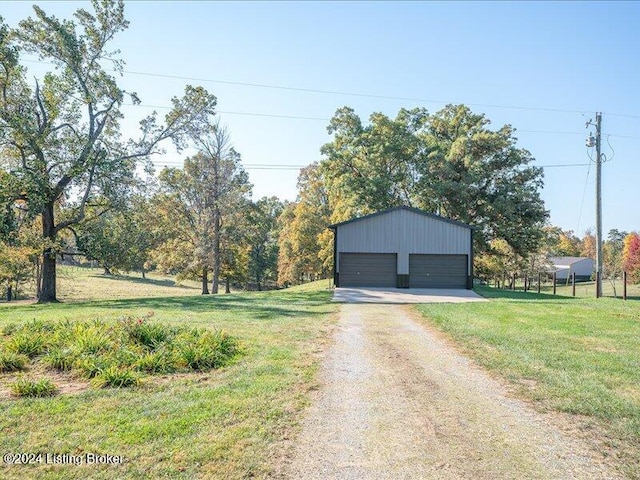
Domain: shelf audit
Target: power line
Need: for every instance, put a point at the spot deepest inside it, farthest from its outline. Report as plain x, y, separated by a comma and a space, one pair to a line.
341, 93
564, 165
310, 90
268, 166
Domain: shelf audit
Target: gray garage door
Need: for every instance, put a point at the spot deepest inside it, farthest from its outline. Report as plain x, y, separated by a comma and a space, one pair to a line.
368, 269
437, 271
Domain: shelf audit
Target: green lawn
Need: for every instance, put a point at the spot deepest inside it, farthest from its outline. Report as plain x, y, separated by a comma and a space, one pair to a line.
228, 423
578, 356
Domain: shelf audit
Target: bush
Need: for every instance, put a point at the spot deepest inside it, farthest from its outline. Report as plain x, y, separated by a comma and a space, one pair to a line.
12, 362
24, 387
115, 376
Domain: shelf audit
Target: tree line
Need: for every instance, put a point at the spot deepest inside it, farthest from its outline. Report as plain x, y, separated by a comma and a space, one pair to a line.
70, 184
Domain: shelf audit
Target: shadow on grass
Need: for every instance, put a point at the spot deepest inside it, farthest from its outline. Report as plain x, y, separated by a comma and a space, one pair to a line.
491, 292
144, 281
257, 305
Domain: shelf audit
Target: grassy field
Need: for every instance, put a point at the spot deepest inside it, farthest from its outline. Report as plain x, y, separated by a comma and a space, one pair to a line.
577, 356
77, 284
229, 423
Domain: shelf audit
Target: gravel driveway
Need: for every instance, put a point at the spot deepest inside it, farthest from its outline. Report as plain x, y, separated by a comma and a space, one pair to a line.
397, 401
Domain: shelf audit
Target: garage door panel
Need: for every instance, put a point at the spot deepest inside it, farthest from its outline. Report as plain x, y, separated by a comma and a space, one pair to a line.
437, 271
368, 269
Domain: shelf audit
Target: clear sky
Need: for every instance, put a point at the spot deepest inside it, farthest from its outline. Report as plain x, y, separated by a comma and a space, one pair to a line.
543, 67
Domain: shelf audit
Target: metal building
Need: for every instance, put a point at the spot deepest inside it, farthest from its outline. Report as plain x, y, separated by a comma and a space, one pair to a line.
403, 247
564, 267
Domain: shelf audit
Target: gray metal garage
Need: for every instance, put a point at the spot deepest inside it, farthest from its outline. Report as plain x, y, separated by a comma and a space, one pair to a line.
403, 247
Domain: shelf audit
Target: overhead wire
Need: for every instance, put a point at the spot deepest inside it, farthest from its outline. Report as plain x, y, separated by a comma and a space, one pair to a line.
584, 191
343, 93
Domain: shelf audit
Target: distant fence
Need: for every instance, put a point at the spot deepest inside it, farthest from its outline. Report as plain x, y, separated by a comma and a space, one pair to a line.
527, 282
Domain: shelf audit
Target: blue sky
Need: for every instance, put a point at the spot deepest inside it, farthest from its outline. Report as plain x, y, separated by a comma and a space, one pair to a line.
543, 67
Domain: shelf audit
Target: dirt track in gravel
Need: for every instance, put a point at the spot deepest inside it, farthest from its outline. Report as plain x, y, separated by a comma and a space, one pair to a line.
396, 401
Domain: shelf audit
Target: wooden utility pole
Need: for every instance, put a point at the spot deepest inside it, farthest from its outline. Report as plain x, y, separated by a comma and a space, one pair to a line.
598, 143
598, 206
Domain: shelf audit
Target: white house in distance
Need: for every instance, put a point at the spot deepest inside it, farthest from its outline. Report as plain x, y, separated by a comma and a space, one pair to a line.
564, 267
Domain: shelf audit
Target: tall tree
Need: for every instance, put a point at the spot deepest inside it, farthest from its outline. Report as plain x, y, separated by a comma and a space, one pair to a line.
374, 165
477, 175
631, 256
303, 226
560, 243
62, 136
450, 163
225, 185
613, 267
198, 204
588, 245
262, 238
119, 240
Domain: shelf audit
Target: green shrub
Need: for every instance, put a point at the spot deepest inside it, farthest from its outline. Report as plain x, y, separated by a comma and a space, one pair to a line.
141, 332
203, 350
25, 387
62, 359
91, 341
12, 361
115, 376
9, 329
160, 361
112, 353
27, 343
90, 366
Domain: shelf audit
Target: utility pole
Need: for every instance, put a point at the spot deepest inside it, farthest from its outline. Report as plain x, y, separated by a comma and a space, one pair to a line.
598, 206
590, 143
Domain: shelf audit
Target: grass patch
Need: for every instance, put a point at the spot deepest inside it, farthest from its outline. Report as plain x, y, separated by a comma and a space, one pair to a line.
225, 423
109, 351
577, 356
26, 387
117, 377
12, 361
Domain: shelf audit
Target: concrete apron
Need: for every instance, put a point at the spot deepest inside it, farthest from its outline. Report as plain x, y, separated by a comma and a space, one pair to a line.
404, 295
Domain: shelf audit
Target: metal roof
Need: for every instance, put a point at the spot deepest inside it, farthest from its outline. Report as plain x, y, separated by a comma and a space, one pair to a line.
411, 209
567, 260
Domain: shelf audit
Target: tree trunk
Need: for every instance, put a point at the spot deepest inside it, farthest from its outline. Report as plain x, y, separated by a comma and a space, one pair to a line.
107, 271
205, 281
227, 288
9, 293
144, 274
38, 278
48, 291
217, 224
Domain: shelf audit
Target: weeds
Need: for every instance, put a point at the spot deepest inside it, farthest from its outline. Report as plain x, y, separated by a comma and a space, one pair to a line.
61, 359
25, 387
27, 343
12, 362
117, 377
110, 354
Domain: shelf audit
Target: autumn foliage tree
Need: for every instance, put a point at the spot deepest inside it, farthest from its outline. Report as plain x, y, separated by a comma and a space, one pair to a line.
631, 256
303, 225
61, 137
